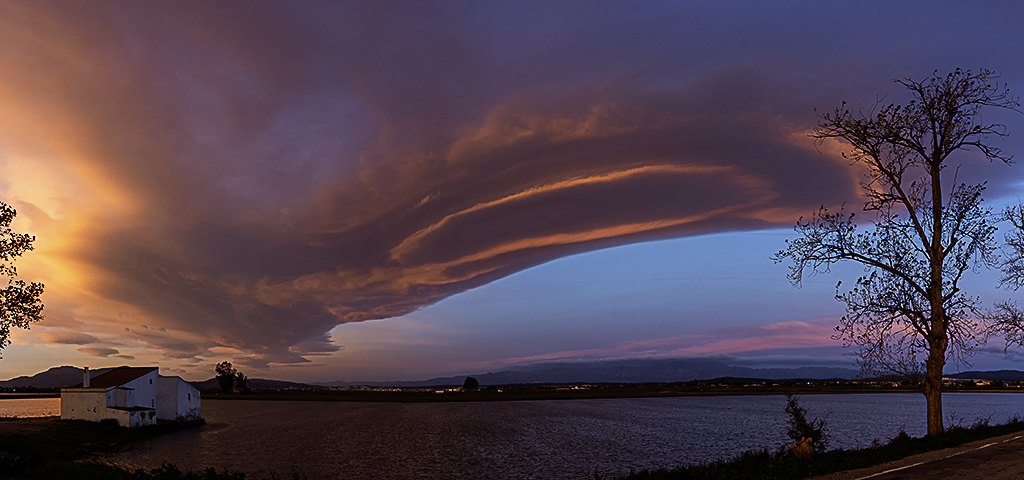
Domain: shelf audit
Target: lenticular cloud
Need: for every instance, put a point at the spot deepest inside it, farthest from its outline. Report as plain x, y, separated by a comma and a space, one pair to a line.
247, 180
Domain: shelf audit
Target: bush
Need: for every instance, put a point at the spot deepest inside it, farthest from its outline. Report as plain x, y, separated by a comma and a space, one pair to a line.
801, 428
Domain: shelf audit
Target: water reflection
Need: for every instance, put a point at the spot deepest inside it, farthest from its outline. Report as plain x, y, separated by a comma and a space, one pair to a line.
29, 407
525, 440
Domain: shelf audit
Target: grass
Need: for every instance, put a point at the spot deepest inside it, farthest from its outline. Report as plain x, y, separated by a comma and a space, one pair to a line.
780, 464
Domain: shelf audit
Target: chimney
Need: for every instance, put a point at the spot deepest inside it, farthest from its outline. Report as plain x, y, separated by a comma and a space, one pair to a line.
85, 379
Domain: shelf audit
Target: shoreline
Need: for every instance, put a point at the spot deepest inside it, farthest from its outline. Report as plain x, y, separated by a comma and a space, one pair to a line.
519, 392
522, 392
596, 392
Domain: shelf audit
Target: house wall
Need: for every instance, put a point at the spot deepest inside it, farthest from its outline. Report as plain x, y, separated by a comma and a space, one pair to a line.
132, 417
176, 399
166, 398
189, 401
83, 404
143, 391
138, 418
117, 397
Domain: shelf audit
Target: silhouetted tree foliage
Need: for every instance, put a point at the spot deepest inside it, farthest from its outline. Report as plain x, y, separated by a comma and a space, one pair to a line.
19, 301
242, 381
470, 384
226, 376
800, 427
907, 313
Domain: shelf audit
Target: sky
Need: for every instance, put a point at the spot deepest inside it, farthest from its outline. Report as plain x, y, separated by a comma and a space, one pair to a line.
346, 191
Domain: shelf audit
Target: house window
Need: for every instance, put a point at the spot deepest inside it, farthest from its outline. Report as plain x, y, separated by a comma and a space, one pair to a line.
152, 403
151, 381
190, 397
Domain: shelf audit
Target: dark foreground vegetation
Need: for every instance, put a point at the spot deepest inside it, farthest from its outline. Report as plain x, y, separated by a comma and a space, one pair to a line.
785, 463
49, 448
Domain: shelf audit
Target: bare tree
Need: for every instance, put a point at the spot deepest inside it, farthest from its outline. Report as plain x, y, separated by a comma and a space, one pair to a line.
1007, 320
19, 301
926, 230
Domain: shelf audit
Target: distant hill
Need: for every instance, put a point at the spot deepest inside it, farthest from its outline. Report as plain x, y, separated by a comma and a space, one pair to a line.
254, 384
623, 371
65, 376
996, 375
56, 377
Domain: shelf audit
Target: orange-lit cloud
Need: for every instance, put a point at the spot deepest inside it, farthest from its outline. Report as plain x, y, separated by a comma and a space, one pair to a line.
99, 351
69, 338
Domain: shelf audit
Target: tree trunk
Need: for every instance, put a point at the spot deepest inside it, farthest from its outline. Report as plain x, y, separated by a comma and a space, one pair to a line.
937, 340
933, 388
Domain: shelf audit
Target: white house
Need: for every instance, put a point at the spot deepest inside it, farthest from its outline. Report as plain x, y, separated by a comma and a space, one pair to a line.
176, 399
133, 396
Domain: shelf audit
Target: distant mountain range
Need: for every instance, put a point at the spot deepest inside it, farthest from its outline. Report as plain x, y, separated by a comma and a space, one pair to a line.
611, 371
622, 371
997, 375
65, 376
56, 377
253, 383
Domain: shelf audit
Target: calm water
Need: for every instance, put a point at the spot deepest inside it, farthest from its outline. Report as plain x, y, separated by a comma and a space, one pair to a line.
29, 407
565, 439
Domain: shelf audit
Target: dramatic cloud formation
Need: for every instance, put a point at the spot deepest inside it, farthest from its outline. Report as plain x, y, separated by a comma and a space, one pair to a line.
218, 178
103, 352
68, 338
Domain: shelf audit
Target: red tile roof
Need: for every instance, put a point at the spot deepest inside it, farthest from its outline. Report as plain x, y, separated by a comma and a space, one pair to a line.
117, 376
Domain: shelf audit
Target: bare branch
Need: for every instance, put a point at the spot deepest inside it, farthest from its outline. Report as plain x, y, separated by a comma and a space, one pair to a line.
907, 315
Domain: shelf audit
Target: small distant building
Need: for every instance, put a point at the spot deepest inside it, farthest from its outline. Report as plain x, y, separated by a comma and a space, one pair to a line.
133, 396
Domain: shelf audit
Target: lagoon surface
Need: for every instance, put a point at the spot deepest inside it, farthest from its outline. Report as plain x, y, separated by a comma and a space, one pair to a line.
550, 439
29, 407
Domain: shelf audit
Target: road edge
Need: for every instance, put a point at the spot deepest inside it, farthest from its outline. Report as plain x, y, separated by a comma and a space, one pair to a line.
914, 460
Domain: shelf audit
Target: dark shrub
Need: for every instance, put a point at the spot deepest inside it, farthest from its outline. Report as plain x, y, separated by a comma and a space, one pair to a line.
800, 427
